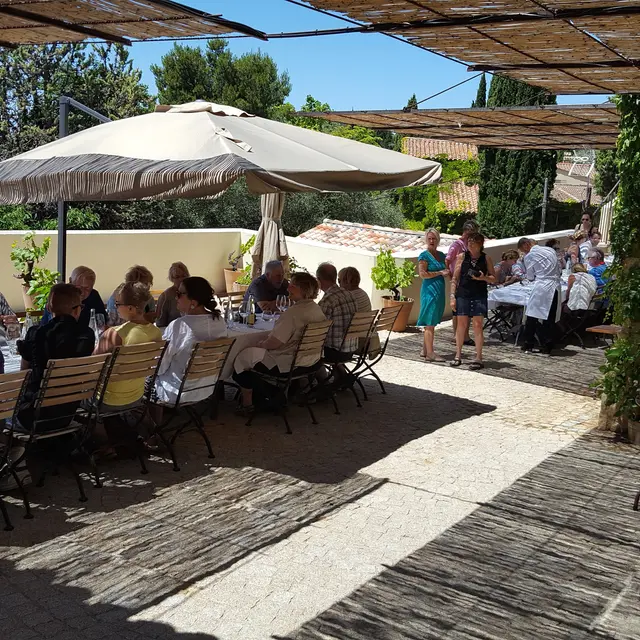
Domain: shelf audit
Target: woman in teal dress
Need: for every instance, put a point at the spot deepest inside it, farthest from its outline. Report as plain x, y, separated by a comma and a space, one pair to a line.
433, 271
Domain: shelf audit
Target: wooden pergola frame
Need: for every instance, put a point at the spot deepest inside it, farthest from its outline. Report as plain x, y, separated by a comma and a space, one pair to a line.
528, 127
578, 46
120, 21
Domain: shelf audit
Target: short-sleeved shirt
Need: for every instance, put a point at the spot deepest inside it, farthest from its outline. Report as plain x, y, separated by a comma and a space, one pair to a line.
263, 291
62, 337
339, 306
598, 273
5, 309
288, 330
167, 307
92, 301
128, 391
459, 246
363, 301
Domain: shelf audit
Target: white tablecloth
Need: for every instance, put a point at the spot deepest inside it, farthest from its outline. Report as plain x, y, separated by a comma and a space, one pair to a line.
245, 336
517, 294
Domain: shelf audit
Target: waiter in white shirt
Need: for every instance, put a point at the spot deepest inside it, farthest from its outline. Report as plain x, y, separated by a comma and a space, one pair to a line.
543, 268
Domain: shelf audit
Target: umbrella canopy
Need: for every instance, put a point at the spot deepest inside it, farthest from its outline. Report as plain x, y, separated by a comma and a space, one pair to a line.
197, 150
271, 243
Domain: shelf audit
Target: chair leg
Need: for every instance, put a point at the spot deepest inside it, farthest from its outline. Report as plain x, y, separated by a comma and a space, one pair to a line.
23, 492
97, 483
5, 516
200, 429
170, 448
335, 404
375, 375
310, 410
364, 392
355, 395
76, 475
283, 413
140, 452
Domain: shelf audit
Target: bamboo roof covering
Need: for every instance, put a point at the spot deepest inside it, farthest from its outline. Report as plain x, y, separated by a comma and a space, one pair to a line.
123, 21
539, 127
565, 46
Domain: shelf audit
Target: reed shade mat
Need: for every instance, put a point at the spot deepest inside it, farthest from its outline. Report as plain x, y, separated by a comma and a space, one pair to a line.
539, 127
198, 150
565, 46
123, 21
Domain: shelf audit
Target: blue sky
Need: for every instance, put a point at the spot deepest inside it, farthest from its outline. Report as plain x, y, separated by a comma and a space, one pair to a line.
355, 71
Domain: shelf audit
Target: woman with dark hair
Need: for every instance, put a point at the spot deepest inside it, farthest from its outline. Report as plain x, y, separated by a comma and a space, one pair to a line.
200, 322
474, 270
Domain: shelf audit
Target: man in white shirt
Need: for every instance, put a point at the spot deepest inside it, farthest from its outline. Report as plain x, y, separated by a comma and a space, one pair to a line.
543, 268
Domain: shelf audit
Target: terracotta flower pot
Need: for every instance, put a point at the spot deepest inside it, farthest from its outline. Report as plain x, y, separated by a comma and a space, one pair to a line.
29, 302
230, 277
240, 287
403, 317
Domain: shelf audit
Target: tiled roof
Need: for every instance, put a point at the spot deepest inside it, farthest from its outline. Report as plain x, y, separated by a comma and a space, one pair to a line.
369, 237
582, 169
575, 193
430, 148
457, 196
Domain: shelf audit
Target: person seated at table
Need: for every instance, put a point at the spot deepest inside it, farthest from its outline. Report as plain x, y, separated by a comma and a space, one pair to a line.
199, 321
504, 268
167, 306
349, 280
518, 270
7, 314
590, 243
554, 244
581, 289
62, 337
572, 254
85, 279
131, 299
275, 353
141, 274
597, 267
585, 225
266, 288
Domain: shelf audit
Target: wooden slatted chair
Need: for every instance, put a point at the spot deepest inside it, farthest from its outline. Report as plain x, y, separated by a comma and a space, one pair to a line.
12, 388
202, 373
235, 298
131, 362
384, 324
309, 350
65, 385
358, 332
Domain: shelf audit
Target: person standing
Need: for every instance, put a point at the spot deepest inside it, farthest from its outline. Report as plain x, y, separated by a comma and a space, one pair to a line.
543, 268
460, 246
433, 271
469, 296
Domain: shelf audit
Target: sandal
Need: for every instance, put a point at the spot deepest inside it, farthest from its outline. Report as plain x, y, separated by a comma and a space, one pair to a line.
434, 358
476, 366
456, 362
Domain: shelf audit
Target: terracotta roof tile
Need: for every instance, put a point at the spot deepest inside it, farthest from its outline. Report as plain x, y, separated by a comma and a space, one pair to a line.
369, 237
457, 196
574, 193
430, 148
581, 169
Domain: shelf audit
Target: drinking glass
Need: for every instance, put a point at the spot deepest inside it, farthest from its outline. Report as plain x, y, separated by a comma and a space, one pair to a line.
114, 318
267, 315
282, 303
100, 323
13, 333
229, 316
245, 310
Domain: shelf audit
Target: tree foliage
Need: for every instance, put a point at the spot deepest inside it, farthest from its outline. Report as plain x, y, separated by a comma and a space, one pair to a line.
621, 380
606, 171
481, 97
512, 182
250, 82
412, 103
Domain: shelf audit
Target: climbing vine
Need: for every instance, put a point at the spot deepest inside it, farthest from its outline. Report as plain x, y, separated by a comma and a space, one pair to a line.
621, 379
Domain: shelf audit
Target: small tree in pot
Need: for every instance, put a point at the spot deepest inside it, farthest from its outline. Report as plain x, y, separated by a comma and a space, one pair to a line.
387, 275
232, 275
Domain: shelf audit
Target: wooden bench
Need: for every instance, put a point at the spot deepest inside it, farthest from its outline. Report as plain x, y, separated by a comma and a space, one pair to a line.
606, 329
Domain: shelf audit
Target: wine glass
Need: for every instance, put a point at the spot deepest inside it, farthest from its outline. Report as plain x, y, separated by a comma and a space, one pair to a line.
100, 323
282, 303
245, 310
13, 333
229, 316
267, 315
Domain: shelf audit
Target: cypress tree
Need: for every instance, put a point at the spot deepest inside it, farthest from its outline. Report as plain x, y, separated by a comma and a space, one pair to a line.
512, 182
413, 102
481, 96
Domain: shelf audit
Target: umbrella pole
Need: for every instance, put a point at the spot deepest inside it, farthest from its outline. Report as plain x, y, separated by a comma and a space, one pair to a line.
63, 130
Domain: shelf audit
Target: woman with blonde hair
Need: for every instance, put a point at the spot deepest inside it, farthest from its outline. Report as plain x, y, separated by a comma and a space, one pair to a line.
167, 308
140, 274
349, 280
433, 271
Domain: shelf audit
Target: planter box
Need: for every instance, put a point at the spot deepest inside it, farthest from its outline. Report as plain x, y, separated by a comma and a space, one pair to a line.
230, 277
403, 317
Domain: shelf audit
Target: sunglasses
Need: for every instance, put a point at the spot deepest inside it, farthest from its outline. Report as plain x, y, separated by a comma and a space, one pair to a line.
122, 304
180, 294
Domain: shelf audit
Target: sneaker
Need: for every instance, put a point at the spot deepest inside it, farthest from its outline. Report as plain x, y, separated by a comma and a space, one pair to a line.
9, 483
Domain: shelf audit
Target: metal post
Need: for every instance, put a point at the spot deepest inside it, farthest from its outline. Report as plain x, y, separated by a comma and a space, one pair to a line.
63, 131
543, 219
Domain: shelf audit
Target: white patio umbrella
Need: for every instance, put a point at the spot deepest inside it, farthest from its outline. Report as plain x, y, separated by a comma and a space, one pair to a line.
197, 150
271, 243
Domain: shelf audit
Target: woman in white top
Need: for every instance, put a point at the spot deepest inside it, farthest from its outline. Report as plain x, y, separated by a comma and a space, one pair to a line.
591, 243
275, 353
200, 322
349, 280
582, 288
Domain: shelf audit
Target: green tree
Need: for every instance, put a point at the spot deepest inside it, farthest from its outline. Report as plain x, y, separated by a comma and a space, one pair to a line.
250, 82
606, 171
412, 103
481, 96
512, 182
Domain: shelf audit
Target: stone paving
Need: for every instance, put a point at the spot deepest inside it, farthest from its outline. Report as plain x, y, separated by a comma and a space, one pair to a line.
283, 528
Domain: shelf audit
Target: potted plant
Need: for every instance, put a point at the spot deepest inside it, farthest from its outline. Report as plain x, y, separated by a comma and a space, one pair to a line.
389, 276
244, 279
235, 257
36, 281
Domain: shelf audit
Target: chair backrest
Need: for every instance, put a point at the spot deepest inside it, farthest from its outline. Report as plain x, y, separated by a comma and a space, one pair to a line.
386, 320
207, 361
12, 386
134, 361
71, 380
311, 344
235, 298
